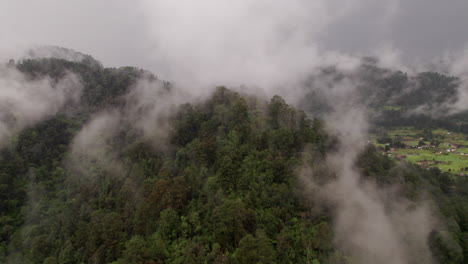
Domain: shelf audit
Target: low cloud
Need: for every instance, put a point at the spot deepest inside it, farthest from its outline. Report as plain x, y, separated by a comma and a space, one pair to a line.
92, 149
145, 114
459, 68
25, 102
372, 225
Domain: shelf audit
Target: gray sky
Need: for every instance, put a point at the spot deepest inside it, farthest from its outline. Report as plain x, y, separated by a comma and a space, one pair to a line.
245, 38
419, 28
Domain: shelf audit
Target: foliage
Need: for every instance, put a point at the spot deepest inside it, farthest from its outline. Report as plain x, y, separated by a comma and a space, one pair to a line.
224, 191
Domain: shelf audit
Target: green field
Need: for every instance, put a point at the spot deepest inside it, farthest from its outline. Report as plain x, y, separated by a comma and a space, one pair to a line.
447, 153
463, 150
392, 108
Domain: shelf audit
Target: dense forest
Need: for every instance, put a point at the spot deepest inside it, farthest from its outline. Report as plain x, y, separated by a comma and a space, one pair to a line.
219, 186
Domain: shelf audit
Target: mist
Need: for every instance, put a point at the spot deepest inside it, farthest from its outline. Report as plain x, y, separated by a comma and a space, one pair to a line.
145, 115
25, 101
459, 67
272, 47
147, 33
372, 224
92, 148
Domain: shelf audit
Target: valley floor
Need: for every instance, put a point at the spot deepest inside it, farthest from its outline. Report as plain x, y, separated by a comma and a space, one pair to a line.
439, 148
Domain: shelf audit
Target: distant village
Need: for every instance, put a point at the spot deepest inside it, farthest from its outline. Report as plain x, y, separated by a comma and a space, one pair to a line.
391, 148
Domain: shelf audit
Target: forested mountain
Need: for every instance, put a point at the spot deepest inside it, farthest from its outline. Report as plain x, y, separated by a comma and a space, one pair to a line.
89, 184
395, 98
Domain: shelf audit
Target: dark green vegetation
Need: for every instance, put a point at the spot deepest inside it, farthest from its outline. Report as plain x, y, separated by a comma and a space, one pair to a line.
223, 190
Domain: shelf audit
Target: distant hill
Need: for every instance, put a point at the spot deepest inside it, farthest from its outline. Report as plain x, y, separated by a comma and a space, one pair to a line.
56, 52
394, 98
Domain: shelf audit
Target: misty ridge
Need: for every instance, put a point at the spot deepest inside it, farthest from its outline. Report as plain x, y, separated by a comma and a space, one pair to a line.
249, 140
144, 119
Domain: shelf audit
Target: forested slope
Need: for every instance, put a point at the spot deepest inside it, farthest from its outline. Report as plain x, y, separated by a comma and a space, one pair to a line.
222, 187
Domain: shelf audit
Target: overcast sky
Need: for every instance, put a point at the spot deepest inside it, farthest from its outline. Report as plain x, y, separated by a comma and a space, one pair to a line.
166, 36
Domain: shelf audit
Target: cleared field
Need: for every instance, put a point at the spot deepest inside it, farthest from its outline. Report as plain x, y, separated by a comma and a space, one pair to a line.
411, 142
463, 150
404, 132
448, 155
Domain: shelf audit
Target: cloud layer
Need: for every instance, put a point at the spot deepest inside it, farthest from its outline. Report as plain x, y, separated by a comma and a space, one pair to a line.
219, 41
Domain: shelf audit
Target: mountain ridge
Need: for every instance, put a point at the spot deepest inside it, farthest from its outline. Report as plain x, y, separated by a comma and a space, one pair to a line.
88, 185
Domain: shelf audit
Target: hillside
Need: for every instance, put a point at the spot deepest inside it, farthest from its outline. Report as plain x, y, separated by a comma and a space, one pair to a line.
131, 173
394, 98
